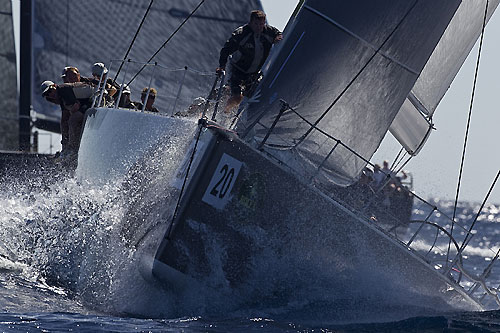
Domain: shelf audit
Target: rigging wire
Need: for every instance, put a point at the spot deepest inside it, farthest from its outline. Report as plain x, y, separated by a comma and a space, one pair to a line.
404, 164
469, 233
467, 127
346, 88
133, 39
394, 163
468, 236
168, 40
399, 158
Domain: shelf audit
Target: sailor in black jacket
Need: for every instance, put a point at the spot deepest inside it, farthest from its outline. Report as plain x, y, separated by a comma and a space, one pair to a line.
74, 99
250, 46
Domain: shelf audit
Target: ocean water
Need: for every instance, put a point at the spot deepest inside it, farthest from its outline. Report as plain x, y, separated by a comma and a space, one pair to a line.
65, 267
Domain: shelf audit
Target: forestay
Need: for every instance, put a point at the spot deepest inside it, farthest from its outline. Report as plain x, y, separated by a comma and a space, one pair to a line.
412, 125
346, 66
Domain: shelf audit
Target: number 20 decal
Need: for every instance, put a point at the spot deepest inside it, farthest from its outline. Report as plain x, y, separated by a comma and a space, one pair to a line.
220, 189
222, 181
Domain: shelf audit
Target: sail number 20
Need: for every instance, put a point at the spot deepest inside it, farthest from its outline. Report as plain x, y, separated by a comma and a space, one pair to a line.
222, 182
220, 189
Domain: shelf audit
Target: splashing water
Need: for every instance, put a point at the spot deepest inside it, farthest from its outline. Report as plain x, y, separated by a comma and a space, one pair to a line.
69, 246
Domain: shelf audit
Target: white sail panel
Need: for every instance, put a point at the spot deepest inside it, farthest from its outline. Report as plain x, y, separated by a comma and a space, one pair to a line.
411, 128
346, 67
437, 75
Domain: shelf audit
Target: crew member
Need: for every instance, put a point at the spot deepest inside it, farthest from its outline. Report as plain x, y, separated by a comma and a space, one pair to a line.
76, 99
151, 100
125, 101
98, 70
250, 46
70, 74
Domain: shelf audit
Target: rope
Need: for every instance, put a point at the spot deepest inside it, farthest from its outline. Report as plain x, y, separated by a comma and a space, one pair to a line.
168, 40
210, 94
468, 125
404, 164
133, 39
395, 162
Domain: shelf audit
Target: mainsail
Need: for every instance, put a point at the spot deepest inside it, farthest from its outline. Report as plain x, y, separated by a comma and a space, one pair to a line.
80, 33
8, 82
345, 67
412, 125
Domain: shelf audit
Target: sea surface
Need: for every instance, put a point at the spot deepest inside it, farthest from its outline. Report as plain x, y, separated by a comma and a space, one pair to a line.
65, 268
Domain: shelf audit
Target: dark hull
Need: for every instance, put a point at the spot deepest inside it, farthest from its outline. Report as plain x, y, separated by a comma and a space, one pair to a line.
246, 225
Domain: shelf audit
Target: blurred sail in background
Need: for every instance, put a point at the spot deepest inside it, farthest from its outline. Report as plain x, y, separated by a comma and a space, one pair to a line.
8, 80
80, 33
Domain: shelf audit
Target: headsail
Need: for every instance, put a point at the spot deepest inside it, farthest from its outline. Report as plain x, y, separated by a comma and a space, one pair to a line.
8, 103
411, 126
346, 67
109, 27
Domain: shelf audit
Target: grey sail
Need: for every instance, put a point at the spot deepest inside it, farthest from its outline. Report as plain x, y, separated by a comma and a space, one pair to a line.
110, 26
345, 67
412, 126
8, 80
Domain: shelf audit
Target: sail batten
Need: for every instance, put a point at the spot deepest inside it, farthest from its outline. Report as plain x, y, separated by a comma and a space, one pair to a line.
348, 76
418, 104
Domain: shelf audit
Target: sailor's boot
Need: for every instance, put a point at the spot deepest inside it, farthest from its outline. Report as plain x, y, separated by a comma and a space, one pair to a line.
233, 102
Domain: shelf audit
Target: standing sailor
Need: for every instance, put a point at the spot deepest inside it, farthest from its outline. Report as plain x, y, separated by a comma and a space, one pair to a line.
70, 74
75, 98
250, 46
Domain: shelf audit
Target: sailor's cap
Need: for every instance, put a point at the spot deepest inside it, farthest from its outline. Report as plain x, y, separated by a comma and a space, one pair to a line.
199, 101
69, 69
126, 89
46, 86
98, 69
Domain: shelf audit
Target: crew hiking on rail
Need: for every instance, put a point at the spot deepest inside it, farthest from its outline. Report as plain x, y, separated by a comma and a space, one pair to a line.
77, 93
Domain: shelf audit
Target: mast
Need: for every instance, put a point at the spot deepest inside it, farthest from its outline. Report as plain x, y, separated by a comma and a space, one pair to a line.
25, 76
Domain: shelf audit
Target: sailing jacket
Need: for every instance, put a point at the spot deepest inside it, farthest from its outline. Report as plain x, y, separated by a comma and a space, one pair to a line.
247, 56
70, 93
